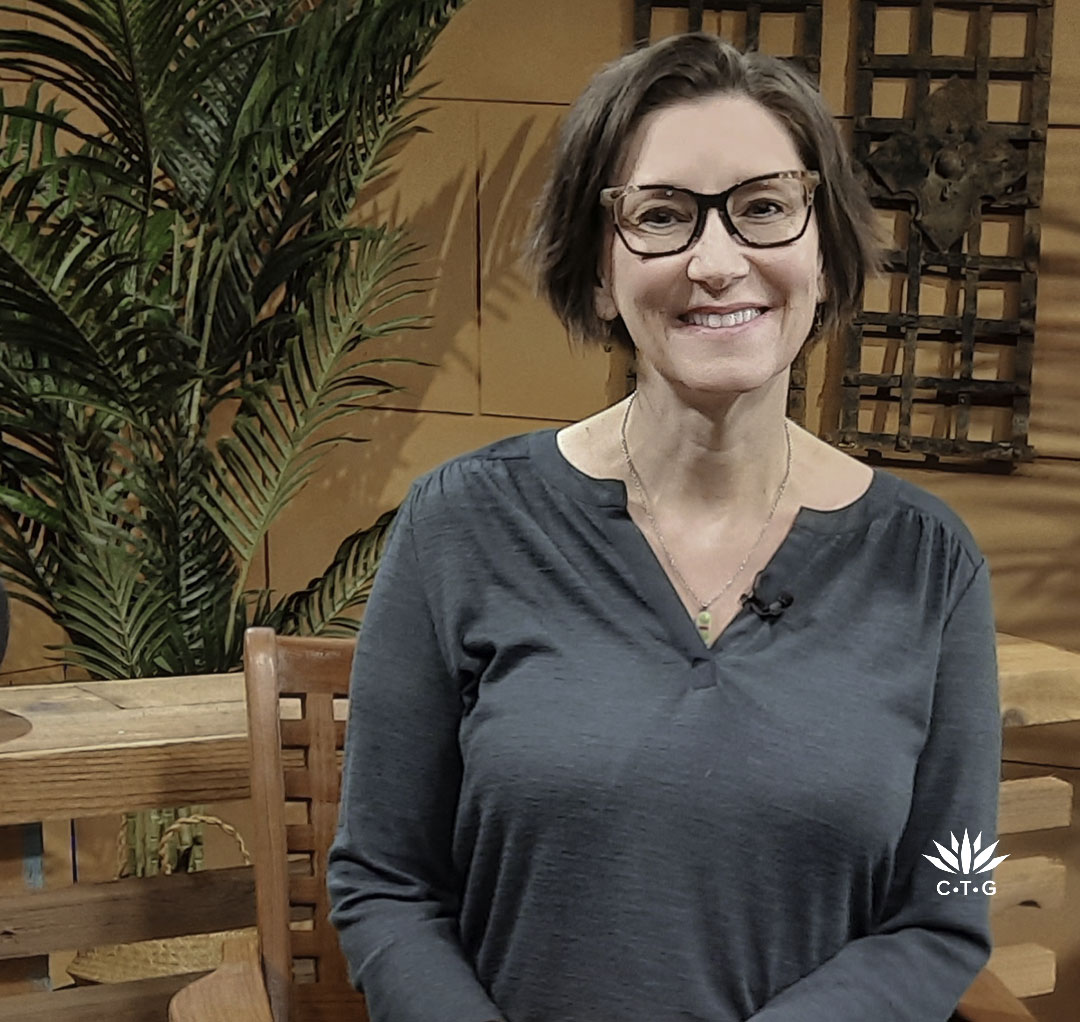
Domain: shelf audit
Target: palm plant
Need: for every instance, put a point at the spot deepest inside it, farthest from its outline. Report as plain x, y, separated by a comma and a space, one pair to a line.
190, 261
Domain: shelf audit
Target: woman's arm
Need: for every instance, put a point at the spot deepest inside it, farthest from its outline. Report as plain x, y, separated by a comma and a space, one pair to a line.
929, 945
392, 886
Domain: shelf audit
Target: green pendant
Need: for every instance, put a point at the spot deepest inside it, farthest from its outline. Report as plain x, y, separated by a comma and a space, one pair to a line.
704, 620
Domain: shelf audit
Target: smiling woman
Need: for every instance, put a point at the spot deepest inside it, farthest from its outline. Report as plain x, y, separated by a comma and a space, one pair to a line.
721, 311
653, 717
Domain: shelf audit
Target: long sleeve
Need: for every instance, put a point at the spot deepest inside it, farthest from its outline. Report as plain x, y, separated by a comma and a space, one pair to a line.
390, 876
929, 945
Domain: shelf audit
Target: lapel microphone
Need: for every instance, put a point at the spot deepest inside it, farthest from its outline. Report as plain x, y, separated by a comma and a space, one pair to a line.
766, 610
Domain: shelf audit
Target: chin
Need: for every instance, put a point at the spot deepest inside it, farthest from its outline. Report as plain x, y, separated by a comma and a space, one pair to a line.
731, 381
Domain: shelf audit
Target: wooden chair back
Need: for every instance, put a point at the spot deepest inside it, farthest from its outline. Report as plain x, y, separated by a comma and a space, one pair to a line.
297, 692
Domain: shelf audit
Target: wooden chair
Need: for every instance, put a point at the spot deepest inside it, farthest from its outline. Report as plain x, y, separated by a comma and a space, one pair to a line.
296, 698
297, 974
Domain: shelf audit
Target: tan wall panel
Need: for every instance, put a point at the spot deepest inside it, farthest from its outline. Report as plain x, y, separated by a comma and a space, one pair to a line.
526, 51
355, 484
430, 190
837, 79
527, 365
1028, 526
11, 21
666, 22
27, 661
1055, 388
1065, 70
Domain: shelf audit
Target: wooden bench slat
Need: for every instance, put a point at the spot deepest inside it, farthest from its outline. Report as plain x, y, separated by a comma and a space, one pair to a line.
1028, 970
144, 1000
141, 908
1032, 878
1034, 803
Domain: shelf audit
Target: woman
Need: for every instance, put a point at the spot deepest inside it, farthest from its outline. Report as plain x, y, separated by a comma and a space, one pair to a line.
656, 716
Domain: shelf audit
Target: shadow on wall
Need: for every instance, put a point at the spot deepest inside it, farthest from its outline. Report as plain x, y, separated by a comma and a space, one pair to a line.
1056, 382
508, 197
468, 210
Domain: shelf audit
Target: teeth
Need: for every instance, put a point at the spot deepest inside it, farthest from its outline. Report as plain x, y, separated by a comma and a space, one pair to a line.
715, 319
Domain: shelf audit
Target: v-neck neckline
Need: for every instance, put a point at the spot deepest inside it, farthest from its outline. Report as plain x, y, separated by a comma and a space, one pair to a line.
785, 571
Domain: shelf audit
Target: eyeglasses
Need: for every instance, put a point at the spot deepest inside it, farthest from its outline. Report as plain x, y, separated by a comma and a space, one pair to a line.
762, 212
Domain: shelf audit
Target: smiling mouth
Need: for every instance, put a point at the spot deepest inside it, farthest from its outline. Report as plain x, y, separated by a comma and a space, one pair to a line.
715, 320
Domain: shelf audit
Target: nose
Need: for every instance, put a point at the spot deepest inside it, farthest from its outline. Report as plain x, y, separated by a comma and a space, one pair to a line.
716, 257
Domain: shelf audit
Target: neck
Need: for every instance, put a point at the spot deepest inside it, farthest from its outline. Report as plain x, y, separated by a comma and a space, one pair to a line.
715, 456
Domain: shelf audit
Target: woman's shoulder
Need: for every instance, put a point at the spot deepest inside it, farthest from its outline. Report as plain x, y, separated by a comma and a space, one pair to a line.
466, 479
930, 507
840, 483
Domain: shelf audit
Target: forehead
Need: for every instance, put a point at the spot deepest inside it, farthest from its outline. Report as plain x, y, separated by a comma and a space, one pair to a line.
708, 144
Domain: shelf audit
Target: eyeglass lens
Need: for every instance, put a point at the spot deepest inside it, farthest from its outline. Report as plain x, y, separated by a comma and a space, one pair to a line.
656, 221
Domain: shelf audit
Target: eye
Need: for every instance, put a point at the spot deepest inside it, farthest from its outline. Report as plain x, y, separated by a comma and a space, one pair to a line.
766, 201
659, 216
763, 209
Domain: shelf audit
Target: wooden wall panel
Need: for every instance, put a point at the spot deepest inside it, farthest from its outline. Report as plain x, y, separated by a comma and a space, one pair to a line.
837, 80
357, 483
1028, 526
1055, 388
1065, 73
527, 52
528, 366
430, 189
27, 660
12, 20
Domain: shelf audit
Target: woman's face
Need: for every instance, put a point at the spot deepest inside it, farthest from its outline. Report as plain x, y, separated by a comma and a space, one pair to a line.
680, 310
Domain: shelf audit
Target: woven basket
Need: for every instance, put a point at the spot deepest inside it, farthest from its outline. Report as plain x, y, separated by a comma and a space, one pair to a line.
171, 956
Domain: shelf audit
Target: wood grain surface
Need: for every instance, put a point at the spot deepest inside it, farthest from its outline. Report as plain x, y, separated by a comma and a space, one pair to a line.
145, 1000
123, 911
98, 747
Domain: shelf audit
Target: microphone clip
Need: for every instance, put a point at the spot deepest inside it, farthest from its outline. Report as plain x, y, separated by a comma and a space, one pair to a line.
768, 610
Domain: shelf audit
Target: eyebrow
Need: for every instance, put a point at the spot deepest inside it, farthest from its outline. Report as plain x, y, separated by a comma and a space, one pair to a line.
741, 181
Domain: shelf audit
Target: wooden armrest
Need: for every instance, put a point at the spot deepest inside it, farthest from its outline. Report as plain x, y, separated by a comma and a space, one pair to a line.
234, 992
989, 1000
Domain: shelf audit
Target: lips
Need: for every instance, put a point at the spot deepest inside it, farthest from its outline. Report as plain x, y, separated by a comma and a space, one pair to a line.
716, 320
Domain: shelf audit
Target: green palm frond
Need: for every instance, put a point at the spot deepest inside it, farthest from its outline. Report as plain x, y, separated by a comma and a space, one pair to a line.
275, 444
325, 129
323, 607
183, 300
112, 607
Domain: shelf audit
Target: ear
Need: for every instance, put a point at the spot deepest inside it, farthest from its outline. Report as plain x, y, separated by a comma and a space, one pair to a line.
603, 301
822, 280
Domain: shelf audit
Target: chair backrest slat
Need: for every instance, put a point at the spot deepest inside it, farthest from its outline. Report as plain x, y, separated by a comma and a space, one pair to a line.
297, 689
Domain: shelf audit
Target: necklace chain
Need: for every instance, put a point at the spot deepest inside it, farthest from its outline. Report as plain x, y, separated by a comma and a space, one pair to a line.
704, 619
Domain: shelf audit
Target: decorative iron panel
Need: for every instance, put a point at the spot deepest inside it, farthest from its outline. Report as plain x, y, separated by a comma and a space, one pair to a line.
757, 13
952, 132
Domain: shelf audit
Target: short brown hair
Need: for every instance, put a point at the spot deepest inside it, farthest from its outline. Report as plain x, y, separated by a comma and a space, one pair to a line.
568, 227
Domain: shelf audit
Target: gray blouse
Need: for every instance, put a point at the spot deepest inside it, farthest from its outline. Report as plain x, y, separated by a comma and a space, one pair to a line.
559, 805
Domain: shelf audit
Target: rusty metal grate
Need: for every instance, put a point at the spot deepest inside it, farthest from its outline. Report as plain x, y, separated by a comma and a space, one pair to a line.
754, 17
952, 130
